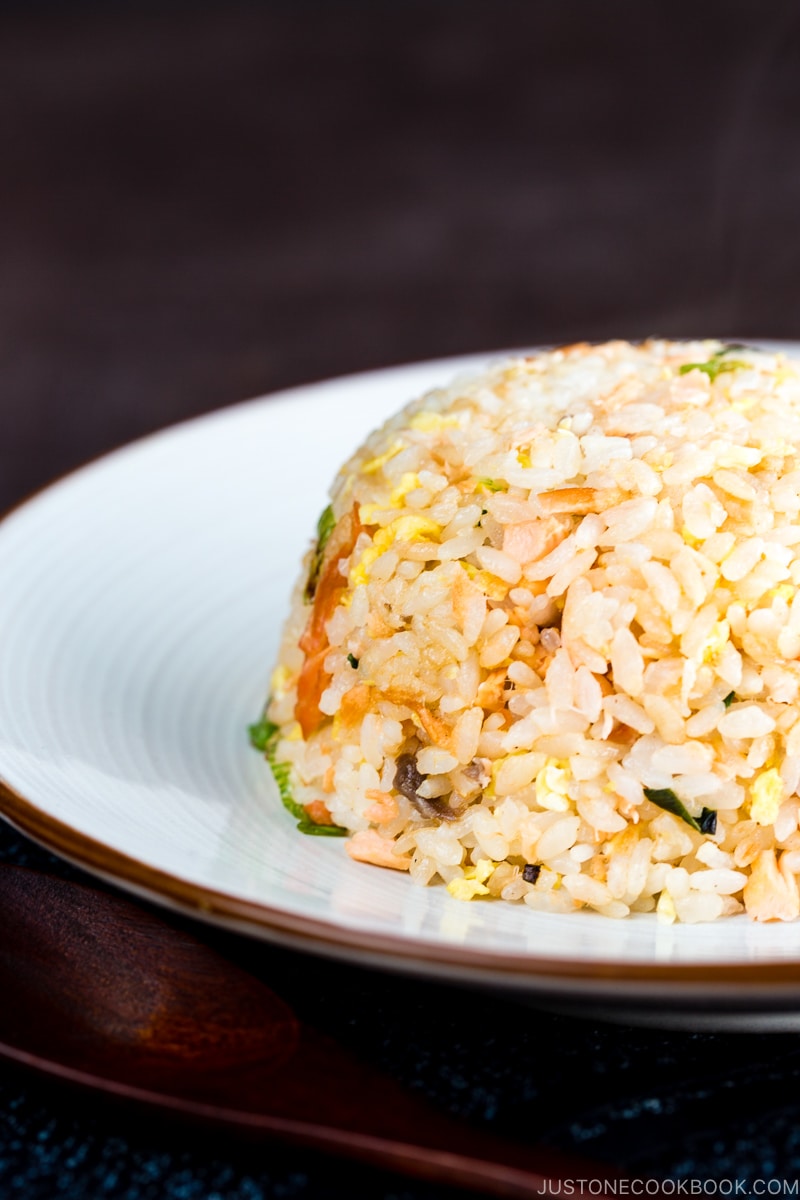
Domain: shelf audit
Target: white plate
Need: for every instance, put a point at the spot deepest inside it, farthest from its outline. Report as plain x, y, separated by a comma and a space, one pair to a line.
140, 608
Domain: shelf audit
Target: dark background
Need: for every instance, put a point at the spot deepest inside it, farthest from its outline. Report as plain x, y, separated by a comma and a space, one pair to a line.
200, 203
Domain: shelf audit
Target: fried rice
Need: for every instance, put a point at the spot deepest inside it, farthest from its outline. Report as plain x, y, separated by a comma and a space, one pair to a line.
546, 646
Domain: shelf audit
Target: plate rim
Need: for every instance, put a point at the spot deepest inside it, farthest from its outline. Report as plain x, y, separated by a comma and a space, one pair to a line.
774, 981
767, 983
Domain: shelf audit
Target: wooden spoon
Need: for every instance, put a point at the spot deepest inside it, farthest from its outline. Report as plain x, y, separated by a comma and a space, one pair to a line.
99, 992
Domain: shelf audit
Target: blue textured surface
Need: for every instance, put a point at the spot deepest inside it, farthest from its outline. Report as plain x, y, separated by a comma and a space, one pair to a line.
673, 1104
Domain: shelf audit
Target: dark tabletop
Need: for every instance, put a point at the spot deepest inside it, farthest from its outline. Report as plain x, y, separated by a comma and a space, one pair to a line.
199, 203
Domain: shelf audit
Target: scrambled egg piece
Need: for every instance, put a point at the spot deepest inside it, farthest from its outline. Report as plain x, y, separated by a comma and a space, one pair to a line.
408, 482
524, 456
431, 422
491, 586
466, 889
473, 883
366, 512
714, 645
494, 768
766, 796
375, 464
784, 591
280, 681
403, 529
551, 785
659, 460
665, 909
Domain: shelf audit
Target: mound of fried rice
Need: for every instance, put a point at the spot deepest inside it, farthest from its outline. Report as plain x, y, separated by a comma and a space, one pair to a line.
547, 645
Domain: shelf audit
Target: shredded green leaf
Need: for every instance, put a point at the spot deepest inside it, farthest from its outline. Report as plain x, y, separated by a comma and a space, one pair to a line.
351, 658
326, 524
716, 365
281, 773
493, 485
322, 830
325, 527
264, 737
665, 798
729, 699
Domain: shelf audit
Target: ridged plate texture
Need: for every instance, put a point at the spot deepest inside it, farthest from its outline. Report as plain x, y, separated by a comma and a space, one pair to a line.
140, 609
